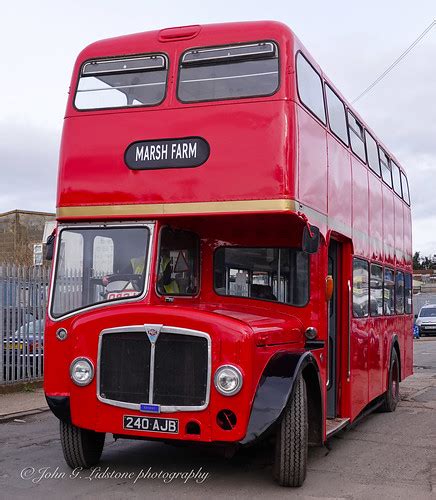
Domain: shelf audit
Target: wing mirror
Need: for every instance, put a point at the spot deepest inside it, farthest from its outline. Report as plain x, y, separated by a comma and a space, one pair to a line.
49, 247
310, 240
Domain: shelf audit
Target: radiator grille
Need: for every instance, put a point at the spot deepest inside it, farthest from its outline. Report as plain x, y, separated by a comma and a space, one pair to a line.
180, 375
180, 366
125, 367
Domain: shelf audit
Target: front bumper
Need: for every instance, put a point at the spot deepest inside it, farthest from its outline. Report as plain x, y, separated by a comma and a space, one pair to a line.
427, 329
105, 418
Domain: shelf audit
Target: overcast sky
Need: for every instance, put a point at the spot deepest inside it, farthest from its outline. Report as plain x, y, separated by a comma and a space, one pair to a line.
352, 41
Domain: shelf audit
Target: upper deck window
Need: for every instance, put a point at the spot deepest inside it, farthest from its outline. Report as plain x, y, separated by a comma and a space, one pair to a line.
122, 83
385, 165
232, 72
310, 87
372, 152
357, 137
337, 119
396, 179
405, 184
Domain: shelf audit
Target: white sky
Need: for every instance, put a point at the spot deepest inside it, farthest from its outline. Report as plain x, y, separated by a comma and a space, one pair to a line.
352, 41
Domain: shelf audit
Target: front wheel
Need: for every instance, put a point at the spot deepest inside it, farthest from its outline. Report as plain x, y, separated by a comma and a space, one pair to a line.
392, 395
292, 440
81, 447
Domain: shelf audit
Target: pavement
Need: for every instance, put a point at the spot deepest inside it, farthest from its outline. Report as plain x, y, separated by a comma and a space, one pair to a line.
386, 455
23, 403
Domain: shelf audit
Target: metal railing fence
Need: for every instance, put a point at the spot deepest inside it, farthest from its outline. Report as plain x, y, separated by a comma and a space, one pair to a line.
23, 299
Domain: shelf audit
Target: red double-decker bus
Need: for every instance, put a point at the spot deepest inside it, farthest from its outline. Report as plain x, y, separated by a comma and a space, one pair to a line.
232, 258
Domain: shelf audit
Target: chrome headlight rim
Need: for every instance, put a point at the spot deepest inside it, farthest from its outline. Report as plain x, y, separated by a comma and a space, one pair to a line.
92, 371
239, 376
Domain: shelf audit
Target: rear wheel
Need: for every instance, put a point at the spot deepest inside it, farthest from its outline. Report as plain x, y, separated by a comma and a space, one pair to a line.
392, 395
81, 447
292, 440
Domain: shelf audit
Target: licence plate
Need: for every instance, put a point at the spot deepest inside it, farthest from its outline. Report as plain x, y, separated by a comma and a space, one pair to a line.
151, 424
121, 295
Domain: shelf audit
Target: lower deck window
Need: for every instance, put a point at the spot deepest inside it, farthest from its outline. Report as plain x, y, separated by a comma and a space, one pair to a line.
277, 274
360, 288
178, 267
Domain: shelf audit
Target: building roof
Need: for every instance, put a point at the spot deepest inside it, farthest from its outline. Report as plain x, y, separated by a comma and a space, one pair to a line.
27, 212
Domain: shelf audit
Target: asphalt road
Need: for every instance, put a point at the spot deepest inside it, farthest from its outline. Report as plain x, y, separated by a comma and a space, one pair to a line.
384, 456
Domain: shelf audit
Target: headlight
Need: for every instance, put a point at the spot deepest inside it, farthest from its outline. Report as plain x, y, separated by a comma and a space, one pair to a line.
82, 371
228, 380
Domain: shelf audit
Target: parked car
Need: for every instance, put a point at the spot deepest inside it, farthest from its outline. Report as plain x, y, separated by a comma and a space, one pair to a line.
426, 320
23, 349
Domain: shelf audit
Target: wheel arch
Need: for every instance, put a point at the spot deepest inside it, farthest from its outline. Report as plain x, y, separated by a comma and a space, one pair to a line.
277, 386
395, 345
314, 404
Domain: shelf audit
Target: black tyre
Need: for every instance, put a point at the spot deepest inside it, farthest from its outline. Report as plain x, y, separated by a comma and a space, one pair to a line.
82, 448
292, 440
392, 395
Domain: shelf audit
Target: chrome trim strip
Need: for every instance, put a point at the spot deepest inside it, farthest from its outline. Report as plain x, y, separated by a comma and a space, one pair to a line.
165, 329
60, 227
151, 381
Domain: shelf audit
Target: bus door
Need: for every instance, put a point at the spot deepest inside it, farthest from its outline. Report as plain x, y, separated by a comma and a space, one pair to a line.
332, 386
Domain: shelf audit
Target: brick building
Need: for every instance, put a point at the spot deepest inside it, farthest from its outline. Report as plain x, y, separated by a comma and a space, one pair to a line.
19, 231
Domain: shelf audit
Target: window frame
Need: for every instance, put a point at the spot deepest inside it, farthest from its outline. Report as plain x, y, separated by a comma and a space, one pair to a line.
122, 108
382, 150
368, 264
391, 269
376, 264
327, 85
408, 275
395, 165
404, 176
157, 261
80, 226
397, 272
300, 53
377, 173
257, 298
351, 130
189, 49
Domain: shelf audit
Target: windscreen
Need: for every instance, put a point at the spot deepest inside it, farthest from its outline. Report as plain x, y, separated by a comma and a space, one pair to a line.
428, 312
127, 82
97, 265
230, 72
